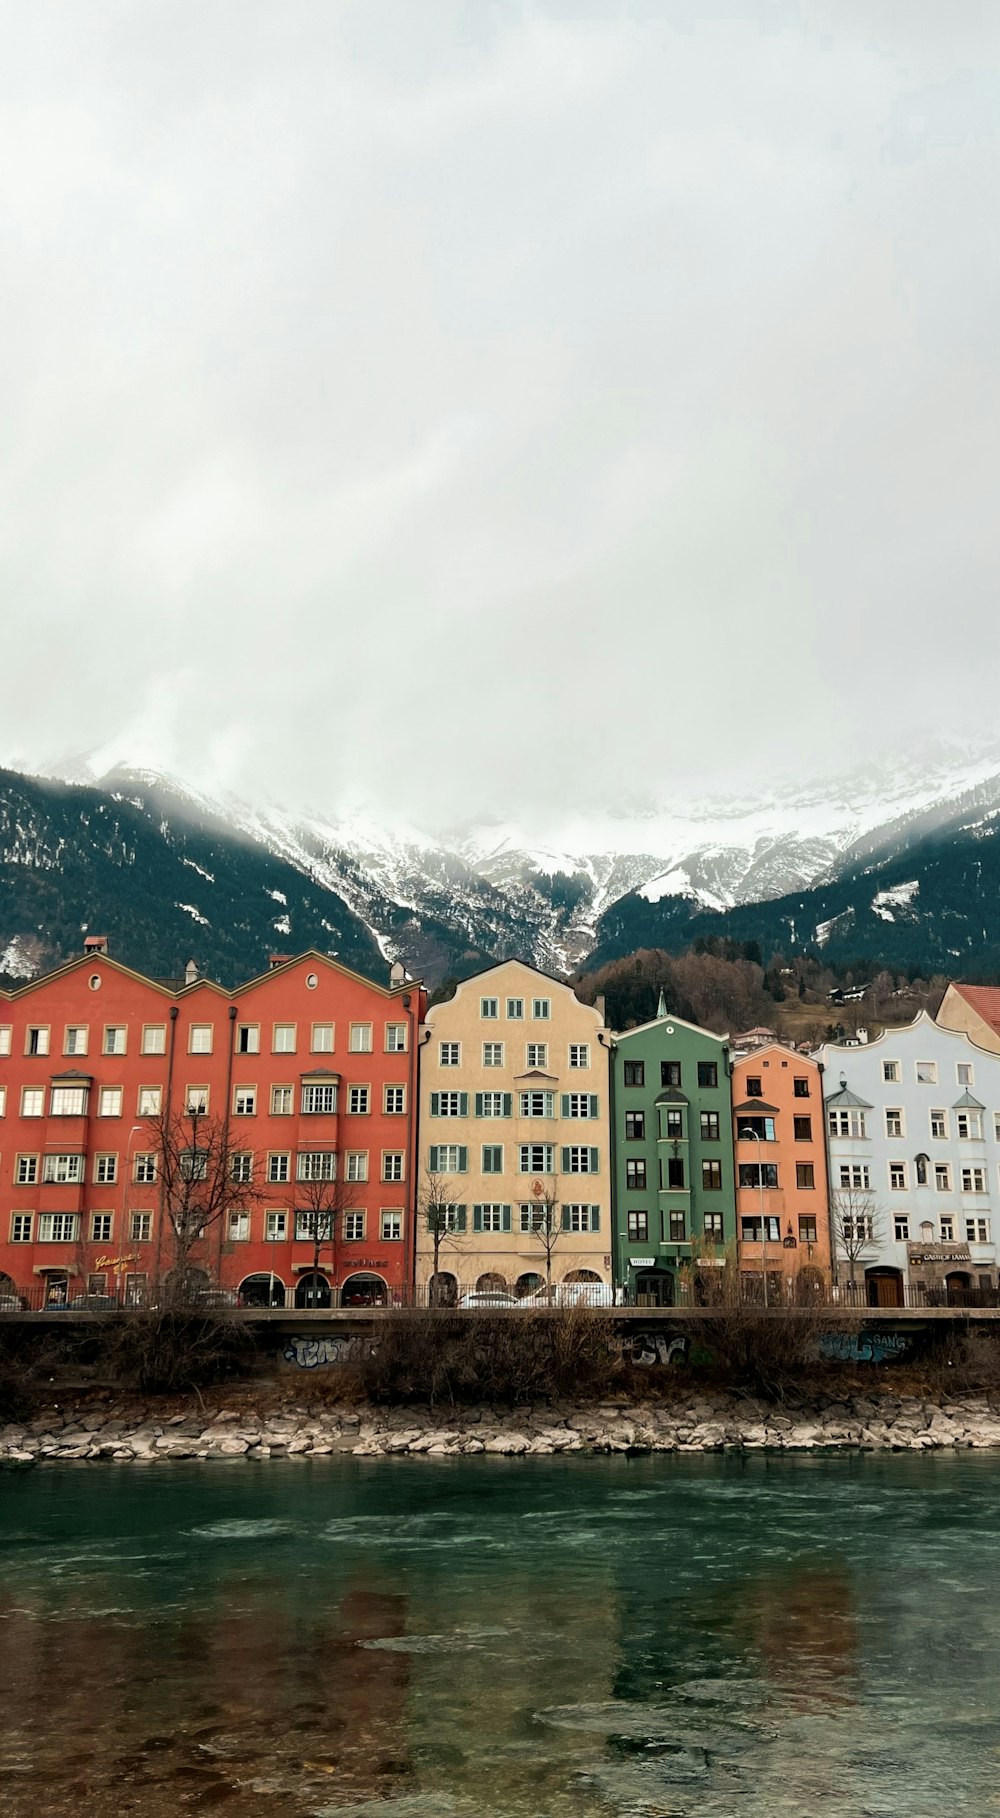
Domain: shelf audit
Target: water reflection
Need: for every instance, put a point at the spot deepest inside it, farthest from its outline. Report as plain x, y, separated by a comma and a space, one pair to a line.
629, 1639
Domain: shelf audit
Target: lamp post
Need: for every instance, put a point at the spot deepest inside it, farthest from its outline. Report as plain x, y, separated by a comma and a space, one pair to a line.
755, 1136
136, 1130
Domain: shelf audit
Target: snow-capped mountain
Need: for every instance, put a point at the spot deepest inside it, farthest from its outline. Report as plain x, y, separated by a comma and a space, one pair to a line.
446, 901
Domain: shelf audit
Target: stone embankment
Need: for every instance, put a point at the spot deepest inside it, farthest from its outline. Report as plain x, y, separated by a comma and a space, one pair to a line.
698, 1424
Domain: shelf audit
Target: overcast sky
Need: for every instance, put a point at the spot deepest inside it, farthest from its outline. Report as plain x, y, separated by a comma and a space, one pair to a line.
498, 406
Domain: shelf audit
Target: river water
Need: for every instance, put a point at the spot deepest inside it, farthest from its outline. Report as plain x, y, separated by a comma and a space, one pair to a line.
734, 1637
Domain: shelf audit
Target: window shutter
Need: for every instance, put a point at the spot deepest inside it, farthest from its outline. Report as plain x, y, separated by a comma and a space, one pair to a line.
594, 1107
433, 1164
595, 1218
463, 1160
565, 1104
565, 1218
463, 1104
477, 1218
508, 1103
595, 1160
435, 1104
479, 1104
565, 1161
460, 1218
505, 1217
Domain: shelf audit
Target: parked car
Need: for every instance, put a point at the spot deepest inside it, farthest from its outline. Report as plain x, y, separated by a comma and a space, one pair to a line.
94, 1303
490, 1297
11, 1303
573, 1294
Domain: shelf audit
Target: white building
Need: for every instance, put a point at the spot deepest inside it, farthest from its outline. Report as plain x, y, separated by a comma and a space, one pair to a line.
913, 1125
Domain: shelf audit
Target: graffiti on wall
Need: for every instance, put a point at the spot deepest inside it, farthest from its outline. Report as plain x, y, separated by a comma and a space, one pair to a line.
658, 1348
863, 1347
314, 1353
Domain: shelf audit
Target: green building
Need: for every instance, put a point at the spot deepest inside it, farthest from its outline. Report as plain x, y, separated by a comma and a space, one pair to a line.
674, 1197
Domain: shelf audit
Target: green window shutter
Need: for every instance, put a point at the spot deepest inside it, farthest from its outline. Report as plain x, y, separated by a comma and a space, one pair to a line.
431, 1222
463, 1160
595, 1109
460, 1218
477, 1218
508, 1103
565, 1161
435, 1104
595, 1160
565, 1218
505, 1217
565, 1104
463, 1104
433, 1164
479, 1104
595, 1218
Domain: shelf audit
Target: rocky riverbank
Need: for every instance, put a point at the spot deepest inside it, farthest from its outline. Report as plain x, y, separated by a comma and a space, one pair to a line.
700, 1423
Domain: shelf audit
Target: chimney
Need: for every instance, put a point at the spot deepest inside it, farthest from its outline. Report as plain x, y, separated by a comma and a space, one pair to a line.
95, 943
599, 1005
397, 974
274, 960
190, 972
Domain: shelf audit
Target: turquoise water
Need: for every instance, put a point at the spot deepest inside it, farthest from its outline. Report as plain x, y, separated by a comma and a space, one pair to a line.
728, 1637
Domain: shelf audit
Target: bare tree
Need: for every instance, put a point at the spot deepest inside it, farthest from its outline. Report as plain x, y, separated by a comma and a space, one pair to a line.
439, 1207
198, 1190
319, 1206
858, 1223
545, 1229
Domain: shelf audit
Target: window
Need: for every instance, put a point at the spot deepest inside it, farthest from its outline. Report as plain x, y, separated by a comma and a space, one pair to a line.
894, 1121
538, 1054
241, 1165
892, 1072
635, 1176
677, 1227
670, 1073
196, 1100
580, 1158
101, 1226
200, 1038
62, 1169
109, 1101
675, 1174
449, 1104
448, 1158
638, 1227
973, 1180
492, 1158
708, 1073
321, 1038
57, 1227
394, 1101
534, 1217
114, 1038
317, 1164
6, 1031
282, 1101
193, 1164
977, 1230
494, 1104
154, 1039
279, 1167
750, 1174
800, 1086
755, 1088
248, 1038
493, 1054
238, 1230
3, 1101
848, 1123
360, 1039
942, 1177
20, 1227
275, 1227
391, 1227
37, 1040
150, 1101
805, 1176
927, 1073
541, 1009
33, 1101
392, 1164
969, 1125
145, 1169
75, 1040
802, 1129
807, 1228
489, 1009
580, 1104
140, 1227
856, 1175
635, 1073
356, 1164
711, 1224
26, 1170
105, 1170
319, 1098
358, 1100
283, 1038
68, 1101
245, 1101
581, 1218
579, 1054
964, 1073
760, 1127
750, 1230
515, 1009
635, 1126
450, 1054
939, 1123
709, 1121
395, 1038
492, 1217
536, 1104
947, 1228
901, 1228
536, 1158
711, 1176
897, 1177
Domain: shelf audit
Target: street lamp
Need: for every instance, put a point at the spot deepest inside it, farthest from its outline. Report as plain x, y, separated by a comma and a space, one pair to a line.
755, 1136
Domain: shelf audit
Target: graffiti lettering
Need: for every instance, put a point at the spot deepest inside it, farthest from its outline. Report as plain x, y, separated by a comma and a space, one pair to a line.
314, 1353
657, 1348
863, 1347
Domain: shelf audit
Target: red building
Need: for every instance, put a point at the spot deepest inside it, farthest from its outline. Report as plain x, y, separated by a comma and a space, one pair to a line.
305, 1078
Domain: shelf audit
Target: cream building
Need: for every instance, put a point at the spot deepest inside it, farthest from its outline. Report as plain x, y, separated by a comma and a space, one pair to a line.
514, 1136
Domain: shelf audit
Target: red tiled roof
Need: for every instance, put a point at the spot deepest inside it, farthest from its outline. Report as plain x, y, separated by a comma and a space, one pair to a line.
985, 1000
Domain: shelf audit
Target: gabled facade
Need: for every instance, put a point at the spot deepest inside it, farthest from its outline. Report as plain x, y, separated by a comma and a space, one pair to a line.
309, 1072
514, 1136
782, 1193
672, 1127
913, 1126
975, 1010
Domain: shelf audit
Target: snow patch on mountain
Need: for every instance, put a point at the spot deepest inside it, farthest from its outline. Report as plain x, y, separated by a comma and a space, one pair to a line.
886, 902
195, 914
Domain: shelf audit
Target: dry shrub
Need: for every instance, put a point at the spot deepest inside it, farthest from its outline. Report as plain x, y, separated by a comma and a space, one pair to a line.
959, 1360
163, 1350
772, 1353
508, 1358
